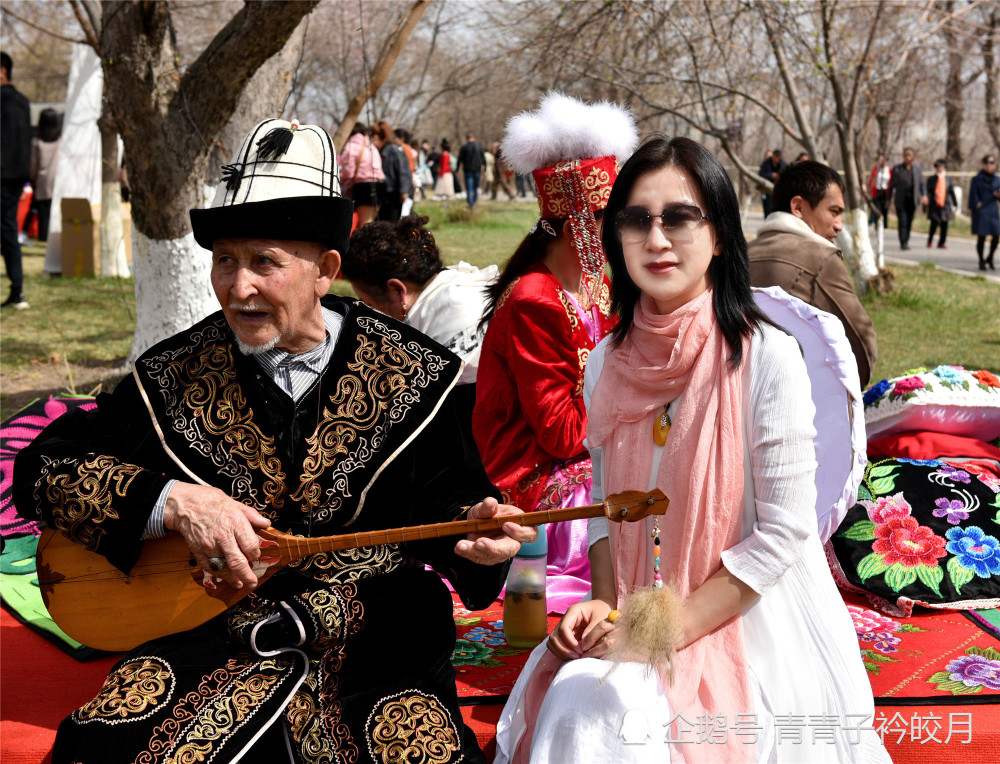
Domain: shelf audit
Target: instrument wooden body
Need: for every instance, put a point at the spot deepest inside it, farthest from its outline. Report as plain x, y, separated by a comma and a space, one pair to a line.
101, 607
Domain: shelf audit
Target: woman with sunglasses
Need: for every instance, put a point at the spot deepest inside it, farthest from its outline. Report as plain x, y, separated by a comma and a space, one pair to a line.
697, 393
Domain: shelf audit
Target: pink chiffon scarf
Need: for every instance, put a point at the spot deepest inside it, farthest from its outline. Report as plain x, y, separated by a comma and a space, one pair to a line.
701, 472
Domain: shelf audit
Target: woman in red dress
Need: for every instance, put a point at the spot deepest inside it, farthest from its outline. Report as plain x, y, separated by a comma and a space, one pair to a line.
546, 312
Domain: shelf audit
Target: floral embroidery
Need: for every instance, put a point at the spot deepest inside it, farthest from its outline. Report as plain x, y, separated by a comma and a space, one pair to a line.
975, 554
486, 653
986, 379
884, 634
884, 508
486, 636
919, 536
952, 509
874, 393
969, 673
468, 653
951, 376
412, 728
948, 472
903, 540
908, 386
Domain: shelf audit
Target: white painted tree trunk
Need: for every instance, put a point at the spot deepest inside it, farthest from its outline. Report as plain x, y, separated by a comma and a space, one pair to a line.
113, 259
880, 242
172, 288
856, 246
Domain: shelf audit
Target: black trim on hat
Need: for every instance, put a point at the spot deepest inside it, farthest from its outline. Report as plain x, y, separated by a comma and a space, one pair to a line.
324, 220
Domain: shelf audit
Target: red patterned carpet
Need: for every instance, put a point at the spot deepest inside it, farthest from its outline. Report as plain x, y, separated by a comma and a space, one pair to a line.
935, 676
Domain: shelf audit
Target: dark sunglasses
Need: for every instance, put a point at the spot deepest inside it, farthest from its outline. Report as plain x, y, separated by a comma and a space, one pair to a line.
634, 223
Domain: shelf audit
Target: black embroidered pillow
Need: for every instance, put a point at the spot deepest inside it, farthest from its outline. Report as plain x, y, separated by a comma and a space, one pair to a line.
922, 533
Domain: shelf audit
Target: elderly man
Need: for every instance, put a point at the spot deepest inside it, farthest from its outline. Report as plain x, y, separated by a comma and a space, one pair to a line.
304, 411
795, 250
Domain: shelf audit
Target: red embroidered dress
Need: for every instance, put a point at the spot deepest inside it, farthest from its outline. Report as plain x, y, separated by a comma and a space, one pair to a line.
529, 391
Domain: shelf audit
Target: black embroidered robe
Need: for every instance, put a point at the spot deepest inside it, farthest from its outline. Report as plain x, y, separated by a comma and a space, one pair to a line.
376, 443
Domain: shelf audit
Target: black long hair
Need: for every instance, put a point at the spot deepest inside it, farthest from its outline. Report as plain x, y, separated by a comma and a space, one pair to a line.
729, 273
531, 250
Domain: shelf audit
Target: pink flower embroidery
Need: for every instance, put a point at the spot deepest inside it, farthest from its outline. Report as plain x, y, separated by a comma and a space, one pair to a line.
908, 385
884, 508
903, 540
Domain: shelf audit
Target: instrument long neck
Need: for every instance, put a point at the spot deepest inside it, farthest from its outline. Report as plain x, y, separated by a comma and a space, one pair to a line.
298, 546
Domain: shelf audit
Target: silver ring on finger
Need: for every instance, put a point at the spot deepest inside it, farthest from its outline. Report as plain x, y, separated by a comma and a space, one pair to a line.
217, 564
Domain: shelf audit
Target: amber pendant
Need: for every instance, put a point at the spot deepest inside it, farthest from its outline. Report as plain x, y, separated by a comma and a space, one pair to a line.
661, 427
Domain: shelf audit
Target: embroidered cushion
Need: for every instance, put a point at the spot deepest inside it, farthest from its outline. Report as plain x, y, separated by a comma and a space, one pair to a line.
946, 399
922, 533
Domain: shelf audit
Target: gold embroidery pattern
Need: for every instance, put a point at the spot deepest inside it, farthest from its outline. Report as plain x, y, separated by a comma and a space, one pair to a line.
224, 714
604, 299
581, 356
247, 613
414, 728
188, 709
205, 405
133, 692
347, 565
506, 293
227, 711
387, 381
574, 319
326, 611
314, 715
598, 187
82, 494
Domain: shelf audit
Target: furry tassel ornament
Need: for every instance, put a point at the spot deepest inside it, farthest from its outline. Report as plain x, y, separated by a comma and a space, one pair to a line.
650, 630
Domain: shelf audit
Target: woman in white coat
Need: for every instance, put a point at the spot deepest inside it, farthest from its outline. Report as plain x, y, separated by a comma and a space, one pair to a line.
698, 393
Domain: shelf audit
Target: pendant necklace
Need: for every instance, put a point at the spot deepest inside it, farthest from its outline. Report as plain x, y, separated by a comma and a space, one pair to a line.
661, 426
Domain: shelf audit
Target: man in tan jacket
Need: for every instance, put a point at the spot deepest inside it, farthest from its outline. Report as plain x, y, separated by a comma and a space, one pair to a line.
794, 250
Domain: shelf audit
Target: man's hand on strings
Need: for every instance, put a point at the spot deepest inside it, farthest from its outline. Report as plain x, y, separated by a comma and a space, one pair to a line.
216, 526
496, 546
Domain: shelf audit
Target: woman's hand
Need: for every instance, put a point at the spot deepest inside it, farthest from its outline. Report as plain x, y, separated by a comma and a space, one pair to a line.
583, 632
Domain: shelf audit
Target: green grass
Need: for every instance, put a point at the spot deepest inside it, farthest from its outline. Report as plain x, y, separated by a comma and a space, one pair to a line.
80, 320
79, 331
932, 317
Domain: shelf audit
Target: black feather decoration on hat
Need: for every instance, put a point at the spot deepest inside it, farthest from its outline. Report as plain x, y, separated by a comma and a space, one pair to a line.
274, 144
232, 176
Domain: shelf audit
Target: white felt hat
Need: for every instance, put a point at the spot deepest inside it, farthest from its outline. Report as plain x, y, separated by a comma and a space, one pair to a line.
284, 184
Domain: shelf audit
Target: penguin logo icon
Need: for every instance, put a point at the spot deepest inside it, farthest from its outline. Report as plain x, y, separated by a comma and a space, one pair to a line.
635, 727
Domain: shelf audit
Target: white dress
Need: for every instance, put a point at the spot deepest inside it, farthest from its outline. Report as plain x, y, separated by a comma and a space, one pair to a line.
813, 701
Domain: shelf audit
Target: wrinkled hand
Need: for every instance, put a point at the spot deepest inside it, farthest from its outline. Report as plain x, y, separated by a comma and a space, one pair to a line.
584, 632
215, 525
495, 547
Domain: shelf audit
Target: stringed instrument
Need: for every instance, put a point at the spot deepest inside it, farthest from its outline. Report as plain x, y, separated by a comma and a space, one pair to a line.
101, 607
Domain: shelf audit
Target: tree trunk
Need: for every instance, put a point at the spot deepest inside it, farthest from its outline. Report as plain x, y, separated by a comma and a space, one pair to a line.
387, 57
954, 106
990, 67
169, 123
113, 259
